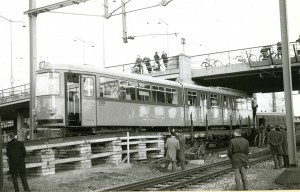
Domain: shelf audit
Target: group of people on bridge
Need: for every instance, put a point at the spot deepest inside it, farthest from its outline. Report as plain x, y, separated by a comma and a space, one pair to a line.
139, 62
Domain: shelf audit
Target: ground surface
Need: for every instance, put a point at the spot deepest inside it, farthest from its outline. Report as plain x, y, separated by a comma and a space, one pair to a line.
261, 177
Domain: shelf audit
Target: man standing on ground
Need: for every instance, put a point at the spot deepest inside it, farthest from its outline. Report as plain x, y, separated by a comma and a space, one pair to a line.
181, 152
284, 146
16, 153
275, 140
238, 151
171, 146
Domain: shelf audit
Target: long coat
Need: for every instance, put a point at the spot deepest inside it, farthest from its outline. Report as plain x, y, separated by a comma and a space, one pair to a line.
238, 151
182, 147
275, 140
172, 146
16, 153
284, 143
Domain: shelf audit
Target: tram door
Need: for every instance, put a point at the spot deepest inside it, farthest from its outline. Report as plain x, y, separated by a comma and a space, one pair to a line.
73, 101
88, 99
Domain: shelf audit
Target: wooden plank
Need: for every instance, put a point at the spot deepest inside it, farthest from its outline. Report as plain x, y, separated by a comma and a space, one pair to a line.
101, 140
31, 165
67, 160
35, 147
107, 154
66, 144
130, 143
142, 137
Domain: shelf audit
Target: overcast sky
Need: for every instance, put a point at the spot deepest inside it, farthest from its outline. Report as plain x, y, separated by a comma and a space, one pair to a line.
207, 26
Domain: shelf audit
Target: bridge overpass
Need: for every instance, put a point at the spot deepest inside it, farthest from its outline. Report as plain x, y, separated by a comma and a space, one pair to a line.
244, 69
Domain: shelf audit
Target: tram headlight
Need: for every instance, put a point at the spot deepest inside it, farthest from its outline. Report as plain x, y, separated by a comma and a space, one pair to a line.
52, 111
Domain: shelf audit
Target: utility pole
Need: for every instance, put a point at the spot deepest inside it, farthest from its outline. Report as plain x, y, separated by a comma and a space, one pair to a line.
124, 22
274, 102
287, 82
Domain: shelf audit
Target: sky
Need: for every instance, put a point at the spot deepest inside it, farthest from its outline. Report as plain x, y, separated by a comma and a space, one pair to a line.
207, 25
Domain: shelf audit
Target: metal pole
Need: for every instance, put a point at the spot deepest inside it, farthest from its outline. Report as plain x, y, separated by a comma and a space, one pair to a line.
128, 154
32, 48
11, 56
287, 82
1, 163
124, 22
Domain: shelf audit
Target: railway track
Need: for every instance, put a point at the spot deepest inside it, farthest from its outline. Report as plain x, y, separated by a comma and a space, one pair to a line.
185, 178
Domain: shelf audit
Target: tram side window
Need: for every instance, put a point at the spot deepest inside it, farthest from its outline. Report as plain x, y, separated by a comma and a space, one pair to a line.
192, 96
241, 103
158, 94
109, 87
214, 100
225, 102
203, 101
47, 84
172, 96
143, 92
88, 86
234, 104
127, 90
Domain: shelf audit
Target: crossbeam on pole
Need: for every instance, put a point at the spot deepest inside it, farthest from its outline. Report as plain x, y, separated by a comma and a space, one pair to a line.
54, 6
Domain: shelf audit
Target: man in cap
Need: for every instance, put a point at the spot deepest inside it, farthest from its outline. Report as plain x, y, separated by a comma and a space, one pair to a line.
275, 140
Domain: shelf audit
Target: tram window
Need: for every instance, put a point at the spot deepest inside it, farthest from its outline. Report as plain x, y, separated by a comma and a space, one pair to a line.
47, 84
109, 87
88, 86
127, 90
225, 102
158, 94
229, 103
203, 101
143, 92
234, 104
192, 96
249, 104
241, 103
171, 95
214, 100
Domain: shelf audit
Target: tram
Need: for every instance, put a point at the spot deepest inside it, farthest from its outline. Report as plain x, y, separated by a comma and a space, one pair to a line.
83, 98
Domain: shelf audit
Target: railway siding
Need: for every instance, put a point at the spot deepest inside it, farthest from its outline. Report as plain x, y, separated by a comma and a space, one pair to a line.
83, 153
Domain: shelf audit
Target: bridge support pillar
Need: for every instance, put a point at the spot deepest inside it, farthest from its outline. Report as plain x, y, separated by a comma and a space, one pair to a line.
185, 70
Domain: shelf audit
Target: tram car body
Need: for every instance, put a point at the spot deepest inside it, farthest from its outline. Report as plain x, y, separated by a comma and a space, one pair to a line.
88, 97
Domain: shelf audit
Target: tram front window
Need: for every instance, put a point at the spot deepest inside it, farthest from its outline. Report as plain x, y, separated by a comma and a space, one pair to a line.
47, 84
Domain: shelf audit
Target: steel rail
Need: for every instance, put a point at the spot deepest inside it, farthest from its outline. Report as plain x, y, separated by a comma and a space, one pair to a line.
207, 176
189, 172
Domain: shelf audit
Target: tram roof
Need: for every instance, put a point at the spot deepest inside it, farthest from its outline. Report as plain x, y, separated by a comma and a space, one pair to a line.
113, 72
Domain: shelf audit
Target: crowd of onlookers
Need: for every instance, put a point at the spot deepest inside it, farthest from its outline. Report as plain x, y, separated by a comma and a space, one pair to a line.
156, 66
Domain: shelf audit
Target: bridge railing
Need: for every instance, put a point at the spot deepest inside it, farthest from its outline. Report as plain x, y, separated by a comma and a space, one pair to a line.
173, 63
14, 93
254, 56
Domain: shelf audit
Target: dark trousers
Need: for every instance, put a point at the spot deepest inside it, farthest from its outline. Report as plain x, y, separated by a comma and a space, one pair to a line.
173, 165
23, 179
238, 173
277, 160
286, 161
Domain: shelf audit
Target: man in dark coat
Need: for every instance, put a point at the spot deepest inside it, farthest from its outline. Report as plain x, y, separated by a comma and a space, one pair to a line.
181, 152
171, 146
275, 140
16, 153
238, 151
164, 57
157, 60
146, 60
284, 146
